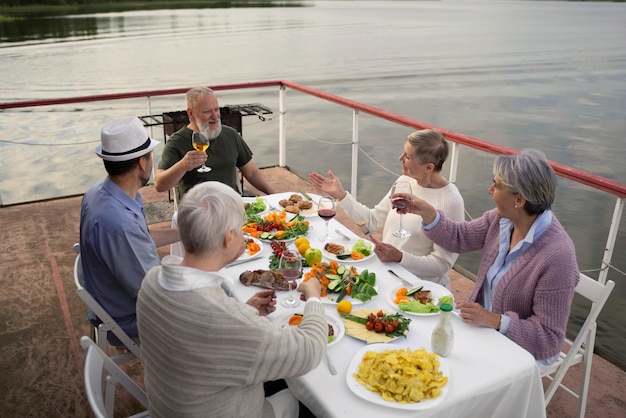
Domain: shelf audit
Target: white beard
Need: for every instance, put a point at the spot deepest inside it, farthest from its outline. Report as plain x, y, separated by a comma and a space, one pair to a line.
208, 132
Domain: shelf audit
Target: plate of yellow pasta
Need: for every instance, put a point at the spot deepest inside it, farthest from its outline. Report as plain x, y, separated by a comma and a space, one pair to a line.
371, 376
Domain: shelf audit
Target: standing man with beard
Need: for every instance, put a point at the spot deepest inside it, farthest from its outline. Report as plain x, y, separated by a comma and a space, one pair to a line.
227, 150
117, 249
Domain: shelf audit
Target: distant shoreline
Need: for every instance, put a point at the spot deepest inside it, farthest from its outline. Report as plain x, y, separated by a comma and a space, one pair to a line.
43, 10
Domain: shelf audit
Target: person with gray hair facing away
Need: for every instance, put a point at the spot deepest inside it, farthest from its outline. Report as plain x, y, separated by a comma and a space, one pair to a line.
528, 272
205, 353
422, 159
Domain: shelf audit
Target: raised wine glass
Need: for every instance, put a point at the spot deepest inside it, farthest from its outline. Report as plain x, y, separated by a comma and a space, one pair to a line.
401, 187
326, 209
201, 143
290, 266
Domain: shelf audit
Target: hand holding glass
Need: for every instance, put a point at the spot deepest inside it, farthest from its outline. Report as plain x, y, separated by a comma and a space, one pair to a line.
290, 266
401, 187
201, 143
326, 210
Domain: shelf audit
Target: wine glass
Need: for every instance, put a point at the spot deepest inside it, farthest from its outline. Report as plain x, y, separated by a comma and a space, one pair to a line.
290, 266
326, 210
401, 186
201, 143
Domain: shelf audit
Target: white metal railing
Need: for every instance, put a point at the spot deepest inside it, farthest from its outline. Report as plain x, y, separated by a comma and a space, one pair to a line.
589, 180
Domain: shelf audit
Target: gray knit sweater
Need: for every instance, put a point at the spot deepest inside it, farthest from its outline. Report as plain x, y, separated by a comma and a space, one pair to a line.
536, 292
205, 354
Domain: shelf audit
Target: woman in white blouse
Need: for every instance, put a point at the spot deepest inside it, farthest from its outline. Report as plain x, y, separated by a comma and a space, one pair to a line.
422, 159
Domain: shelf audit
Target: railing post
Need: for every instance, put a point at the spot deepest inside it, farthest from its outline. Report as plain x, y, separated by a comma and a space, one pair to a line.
454, 161
610, 241
354, 175
282, 131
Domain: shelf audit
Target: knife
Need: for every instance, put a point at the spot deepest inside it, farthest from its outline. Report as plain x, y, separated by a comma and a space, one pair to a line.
347, 238
404, 282
306, 196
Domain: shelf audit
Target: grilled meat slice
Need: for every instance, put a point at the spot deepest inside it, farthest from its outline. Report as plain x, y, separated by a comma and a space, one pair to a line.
423, 296
267, 279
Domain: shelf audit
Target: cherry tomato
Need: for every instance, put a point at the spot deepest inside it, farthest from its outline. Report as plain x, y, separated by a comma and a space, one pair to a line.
369, 325
379, 314
395, 324
389, 329
378, 327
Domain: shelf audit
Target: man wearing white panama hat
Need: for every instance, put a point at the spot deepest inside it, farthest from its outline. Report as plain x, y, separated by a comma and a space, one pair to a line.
117, 248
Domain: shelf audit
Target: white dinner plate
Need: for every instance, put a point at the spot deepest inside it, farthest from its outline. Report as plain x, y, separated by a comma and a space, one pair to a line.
359, 390
339, 330
307, 213
348, 248
246, 255
252, 199
436, 291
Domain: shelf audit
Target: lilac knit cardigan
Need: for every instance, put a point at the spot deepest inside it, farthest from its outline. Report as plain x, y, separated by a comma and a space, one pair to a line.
536, 292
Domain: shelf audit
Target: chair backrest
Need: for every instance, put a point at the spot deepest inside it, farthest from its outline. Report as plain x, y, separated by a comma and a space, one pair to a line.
581, 349
102, 375
108, 324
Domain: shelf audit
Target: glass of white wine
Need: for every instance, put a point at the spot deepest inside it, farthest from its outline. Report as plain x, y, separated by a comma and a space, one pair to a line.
201, 143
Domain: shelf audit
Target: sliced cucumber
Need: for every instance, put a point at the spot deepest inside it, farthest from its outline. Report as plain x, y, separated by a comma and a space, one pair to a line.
334, 284
333, 277
264, 235
412, 291
341, 269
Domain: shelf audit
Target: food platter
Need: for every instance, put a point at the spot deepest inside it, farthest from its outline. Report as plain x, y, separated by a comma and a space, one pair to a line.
362, 392
348, 247
253, 199
436, 291
331, 298
307, 213
358, 331
282, 319
246, 254
286, 241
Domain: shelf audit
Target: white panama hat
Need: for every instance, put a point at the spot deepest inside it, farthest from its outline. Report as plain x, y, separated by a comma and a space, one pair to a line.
124, 139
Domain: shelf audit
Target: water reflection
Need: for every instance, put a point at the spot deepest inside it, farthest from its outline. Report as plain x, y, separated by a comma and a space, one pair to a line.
49, 28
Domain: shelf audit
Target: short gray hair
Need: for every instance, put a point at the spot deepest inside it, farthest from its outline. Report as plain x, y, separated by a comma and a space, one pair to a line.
193, 93
206, 214
431, 147
530, 174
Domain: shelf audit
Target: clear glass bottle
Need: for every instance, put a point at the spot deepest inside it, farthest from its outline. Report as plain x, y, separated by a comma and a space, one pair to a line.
442, 338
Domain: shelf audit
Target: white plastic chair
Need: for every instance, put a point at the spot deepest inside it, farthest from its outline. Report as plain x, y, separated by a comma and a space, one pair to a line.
99, 334
581, 349
102, 375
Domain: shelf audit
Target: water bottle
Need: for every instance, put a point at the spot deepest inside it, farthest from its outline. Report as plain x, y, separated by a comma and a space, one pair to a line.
442, 338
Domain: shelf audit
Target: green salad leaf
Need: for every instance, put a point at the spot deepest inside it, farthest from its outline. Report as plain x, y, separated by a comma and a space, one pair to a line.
418, 307
363, 247
256, 206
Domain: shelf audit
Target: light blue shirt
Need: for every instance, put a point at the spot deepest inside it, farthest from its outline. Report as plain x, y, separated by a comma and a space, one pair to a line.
116, 250
505, 259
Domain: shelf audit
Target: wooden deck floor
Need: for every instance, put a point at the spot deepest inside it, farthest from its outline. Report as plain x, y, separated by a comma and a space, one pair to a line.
42, 318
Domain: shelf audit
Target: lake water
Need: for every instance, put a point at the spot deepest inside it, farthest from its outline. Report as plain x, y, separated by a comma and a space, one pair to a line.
547, 75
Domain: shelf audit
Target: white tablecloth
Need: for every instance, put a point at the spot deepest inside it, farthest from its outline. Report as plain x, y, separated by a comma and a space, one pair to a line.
490, 376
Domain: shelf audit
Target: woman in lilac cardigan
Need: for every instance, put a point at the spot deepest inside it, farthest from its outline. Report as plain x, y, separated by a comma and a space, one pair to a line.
528, 271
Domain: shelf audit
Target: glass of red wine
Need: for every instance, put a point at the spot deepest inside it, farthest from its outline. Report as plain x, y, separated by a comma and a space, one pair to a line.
290, 266
326, 209
401, 186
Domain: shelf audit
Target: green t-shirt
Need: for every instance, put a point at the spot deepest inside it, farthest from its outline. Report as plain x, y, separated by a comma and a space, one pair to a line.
227, 152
